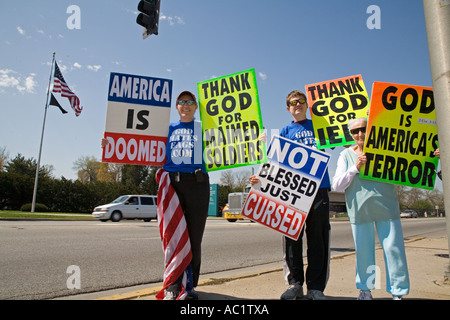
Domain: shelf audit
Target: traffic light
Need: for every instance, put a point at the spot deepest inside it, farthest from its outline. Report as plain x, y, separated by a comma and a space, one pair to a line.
149, 16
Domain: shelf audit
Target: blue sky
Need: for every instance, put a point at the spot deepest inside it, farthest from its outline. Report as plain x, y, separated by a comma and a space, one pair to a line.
289, 43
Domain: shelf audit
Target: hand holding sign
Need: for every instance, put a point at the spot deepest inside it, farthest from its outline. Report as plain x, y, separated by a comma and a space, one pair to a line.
289, 183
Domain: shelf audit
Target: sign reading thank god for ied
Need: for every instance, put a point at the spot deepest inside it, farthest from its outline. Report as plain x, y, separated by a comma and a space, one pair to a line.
289, 182
231, 121
137, 119
332, 104
401, 136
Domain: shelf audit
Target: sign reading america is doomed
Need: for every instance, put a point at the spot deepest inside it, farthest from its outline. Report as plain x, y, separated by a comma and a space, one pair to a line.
231, 121
289, 183
332, 104
401, 136
137, 119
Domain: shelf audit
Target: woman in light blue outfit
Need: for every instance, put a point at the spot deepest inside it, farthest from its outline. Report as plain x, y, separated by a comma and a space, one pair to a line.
371, 203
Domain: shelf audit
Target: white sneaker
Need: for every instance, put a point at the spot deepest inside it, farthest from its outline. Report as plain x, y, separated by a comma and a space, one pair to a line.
171, 295
365, 295
315, 295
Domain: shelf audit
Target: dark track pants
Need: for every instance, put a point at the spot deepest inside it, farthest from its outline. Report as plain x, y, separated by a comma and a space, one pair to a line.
194, 199
317, 228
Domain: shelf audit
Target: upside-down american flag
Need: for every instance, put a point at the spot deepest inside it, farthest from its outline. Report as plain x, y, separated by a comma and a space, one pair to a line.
61, 86
174, 235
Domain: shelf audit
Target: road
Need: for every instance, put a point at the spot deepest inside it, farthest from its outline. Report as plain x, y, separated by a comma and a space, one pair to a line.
37, 257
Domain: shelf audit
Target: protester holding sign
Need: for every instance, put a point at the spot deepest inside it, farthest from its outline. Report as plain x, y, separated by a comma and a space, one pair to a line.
317, 221
186, 168
189, 178
368, 203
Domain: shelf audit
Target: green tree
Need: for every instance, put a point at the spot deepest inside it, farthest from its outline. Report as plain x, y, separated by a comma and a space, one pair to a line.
134, 175
17, 181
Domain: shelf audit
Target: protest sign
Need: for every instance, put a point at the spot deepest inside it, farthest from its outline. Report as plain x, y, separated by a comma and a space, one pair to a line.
289, 183
332, 104
137, 119
401, 136
231, 121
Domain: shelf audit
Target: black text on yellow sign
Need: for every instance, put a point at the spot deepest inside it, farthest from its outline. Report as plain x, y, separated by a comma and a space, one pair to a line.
231, 121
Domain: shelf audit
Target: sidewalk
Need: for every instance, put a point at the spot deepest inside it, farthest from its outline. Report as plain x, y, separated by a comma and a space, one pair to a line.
426, 259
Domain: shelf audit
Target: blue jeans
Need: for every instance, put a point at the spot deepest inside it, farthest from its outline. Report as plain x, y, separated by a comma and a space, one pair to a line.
390, 234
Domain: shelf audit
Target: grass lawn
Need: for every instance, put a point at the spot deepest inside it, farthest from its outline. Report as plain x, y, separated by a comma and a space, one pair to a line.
7, 214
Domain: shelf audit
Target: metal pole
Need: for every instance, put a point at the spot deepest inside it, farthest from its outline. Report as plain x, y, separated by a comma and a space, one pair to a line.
437, 21
36, 178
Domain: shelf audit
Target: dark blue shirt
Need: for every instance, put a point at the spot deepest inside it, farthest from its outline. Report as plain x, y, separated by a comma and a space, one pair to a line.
184, 150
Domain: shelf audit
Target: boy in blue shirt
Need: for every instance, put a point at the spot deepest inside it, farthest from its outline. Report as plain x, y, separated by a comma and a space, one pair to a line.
317, 224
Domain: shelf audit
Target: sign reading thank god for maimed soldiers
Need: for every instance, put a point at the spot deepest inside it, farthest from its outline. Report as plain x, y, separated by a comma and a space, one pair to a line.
332, 104
289, 182
231, 121
401, 136
137, 119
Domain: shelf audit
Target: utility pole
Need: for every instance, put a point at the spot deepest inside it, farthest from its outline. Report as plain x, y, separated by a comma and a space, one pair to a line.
437, 21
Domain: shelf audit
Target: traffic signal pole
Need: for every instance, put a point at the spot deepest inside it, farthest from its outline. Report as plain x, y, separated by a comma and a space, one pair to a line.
437, 21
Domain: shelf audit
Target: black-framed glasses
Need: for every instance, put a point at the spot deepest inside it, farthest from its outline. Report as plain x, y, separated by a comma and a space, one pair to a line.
357, 130
294, 102
189, 102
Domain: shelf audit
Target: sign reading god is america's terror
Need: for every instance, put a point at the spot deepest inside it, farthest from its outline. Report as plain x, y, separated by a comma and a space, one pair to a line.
137, 119
401, 136
289, 182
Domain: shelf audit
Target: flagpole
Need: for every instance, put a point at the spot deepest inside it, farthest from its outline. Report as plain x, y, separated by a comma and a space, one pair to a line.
33, 203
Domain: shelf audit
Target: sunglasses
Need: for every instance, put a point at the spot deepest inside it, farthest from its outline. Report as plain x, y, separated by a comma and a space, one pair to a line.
182, 102
357, 130
294, 102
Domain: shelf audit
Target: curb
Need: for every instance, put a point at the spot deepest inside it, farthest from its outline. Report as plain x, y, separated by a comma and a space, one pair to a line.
215, 281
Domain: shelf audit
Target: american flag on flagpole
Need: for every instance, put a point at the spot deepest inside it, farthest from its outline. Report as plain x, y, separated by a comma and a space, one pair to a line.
174, 235
60, 86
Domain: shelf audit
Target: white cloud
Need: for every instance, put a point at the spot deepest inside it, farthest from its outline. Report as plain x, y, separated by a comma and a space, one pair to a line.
134, 12
172, 19
7, 81
29, 84
76, 65
11, 79
21, 31
263, 76
94, 67
169, 70
62, 67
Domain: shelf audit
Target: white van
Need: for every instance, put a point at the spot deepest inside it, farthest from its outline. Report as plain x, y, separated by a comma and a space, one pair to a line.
128, 207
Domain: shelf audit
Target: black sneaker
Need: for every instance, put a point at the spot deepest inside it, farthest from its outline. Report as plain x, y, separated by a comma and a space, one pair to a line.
294, 292
192, 295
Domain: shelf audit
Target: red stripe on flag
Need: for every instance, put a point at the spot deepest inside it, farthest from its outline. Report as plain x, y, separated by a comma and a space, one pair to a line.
174, 234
